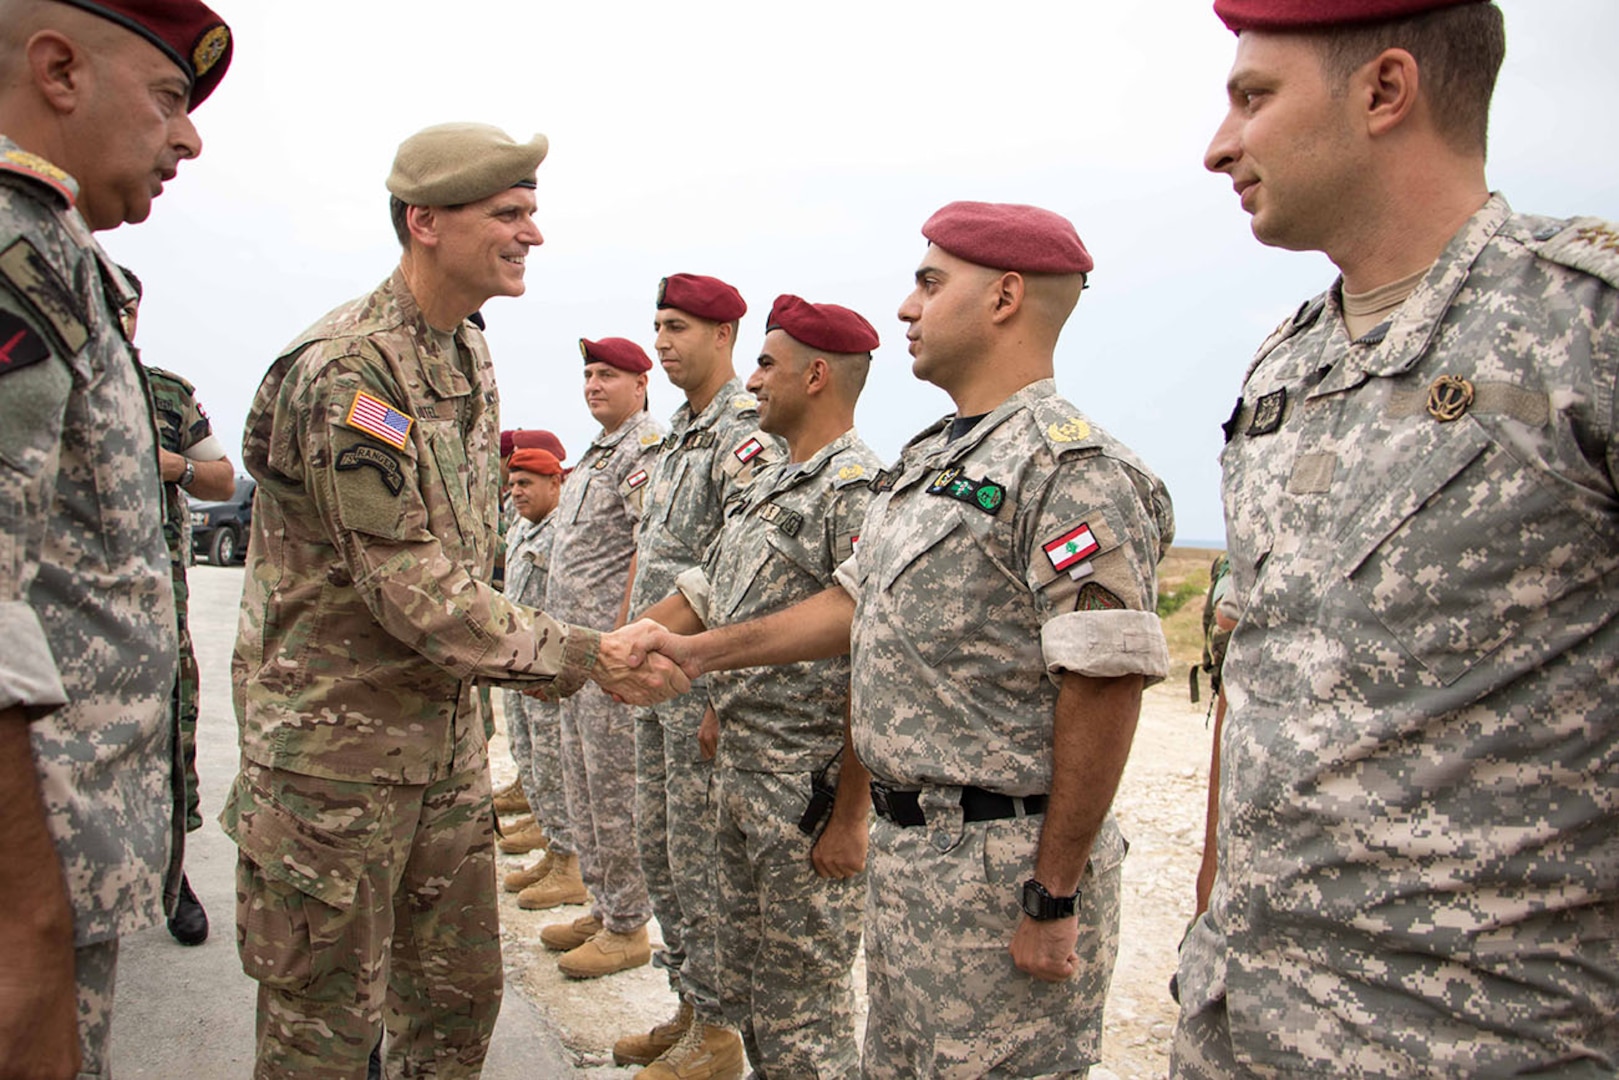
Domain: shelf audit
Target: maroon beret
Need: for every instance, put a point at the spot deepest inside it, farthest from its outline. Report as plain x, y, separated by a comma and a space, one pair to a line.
1240, 15
705, 297
1009, 236
188, 33
822, 326
618, 352
533, 439
533, 459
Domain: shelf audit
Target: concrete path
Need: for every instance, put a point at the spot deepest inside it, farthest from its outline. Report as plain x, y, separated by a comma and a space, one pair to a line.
188, 1013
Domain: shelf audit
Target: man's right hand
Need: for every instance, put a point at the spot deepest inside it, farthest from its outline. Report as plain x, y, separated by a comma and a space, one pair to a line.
629, 668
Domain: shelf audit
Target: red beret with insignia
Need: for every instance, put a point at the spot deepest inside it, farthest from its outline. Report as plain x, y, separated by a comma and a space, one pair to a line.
534, 460
531, 438
705, 297
1009, 236
188, 33
1240, 15
822, 326
618, 352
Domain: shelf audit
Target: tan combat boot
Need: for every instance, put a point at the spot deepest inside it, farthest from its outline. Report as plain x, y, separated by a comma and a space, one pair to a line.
518, 880
523, 837
605, 953
562, 936
560, 885
704, 1052
647, 1048
511, 800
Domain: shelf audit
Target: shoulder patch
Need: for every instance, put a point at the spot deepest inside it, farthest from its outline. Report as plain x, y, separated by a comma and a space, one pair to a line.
1072, 430
749, 450
20, 344
1589, 245
36, 168
635, 479
1072, 547
38, 284
378, 419
744, 402
365, 456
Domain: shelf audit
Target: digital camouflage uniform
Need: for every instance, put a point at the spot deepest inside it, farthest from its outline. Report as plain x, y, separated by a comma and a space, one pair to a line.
532, 724
86, 604
596, 516
1419, 809
702, 464
181, 424
967, 598
786, 937
363, 807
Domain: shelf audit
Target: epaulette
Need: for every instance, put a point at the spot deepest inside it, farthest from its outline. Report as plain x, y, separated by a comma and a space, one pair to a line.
651, 440
1061, 425
745, 403
1301, 320
1589, 245
41, 172
852, 473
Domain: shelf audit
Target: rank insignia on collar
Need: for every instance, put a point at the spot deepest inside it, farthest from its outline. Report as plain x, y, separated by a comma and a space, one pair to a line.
749, 450
671, 441
1072, 547
1268, 412
1449, 398
884, 481
602, 462
788, 521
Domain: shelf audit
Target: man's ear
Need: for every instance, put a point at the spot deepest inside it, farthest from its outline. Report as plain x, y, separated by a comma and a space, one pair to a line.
1389, 86
59, 68
1007, 295
423, 224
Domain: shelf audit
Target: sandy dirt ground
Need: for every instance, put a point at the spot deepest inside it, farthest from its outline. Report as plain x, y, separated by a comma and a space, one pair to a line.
1160, 808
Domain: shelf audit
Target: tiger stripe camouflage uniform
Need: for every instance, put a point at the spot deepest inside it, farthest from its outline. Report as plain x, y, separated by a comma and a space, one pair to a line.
706, 458
1024, 546
596, 514
532, 725
786, 937
1419, 810
86, 600
181, 425
362, 811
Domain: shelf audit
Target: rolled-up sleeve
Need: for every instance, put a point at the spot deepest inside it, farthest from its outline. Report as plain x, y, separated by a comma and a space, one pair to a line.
1106, 644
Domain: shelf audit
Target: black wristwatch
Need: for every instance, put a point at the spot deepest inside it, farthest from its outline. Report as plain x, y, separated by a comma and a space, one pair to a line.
1040, 905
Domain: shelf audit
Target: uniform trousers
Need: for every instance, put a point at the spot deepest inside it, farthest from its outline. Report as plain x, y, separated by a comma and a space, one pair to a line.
95, 972
946, 1001
598, 776
358, 903
786, 936
534, 729
674, 831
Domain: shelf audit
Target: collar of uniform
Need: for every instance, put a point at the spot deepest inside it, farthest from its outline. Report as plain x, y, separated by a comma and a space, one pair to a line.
608, 439
710, 415
783, 476
1417, 321
40, 169
960, 448
441, 371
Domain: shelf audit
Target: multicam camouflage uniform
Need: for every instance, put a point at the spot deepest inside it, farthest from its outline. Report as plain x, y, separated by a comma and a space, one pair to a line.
967, 596
86, 605
181, 424
596, 516
363, 808
705, 459
786, 937
532, 724
1419, 811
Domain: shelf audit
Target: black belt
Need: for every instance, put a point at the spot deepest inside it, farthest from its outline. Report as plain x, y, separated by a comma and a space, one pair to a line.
903, 808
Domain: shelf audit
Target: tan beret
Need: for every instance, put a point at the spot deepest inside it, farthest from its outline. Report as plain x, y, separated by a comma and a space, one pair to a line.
452, 164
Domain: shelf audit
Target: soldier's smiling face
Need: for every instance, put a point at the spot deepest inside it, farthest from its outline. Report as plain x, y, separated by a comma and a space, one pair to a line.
483, 246
777, 382
132, 125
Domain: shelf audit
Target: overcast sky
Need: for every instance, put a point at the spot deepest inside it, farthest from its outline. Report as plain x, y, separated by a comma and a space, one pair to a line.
792, 149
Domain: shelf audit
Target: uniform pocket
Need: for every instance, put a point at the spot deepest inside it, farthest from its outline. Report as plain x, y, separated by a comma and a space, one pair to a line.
1468, 508
946, 576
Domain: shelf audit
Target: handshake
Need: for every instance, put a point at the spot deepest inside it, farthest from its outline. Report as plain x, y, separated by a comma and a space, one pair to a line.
643, 664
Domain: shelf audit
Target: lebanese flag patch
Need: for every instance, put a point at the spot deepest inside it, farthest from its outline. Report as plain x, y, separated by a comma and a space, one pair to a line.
748, 450
1071, 547
635, 479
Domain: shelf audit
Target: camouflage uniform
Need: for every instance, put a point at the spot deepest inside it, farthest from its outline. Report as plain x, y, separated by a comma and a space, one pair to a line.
966, 598
701, 466
86, 605
181, 424
363, 809
786, 937
1419, 811
596, 516
532, 724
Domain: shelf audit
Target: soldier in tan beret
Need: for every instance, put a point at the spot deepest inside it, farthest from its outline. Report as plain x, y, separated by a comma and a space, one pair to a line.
362, 811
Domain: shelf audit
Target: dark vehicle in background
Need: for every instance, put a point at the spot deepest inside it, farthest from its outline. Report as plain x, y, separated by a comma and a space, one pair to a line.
219, 529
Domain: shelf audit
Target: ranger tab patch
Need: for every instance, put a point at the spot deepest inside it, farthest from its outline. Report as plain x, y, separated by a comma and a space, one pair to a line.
379, 419
365, 456
20, 346
1072, 547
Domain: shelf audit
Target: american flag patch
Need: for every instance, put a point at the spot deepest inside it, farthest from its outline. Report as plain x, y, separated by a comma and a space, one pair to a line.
1072, 546
378, 418
748, 450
